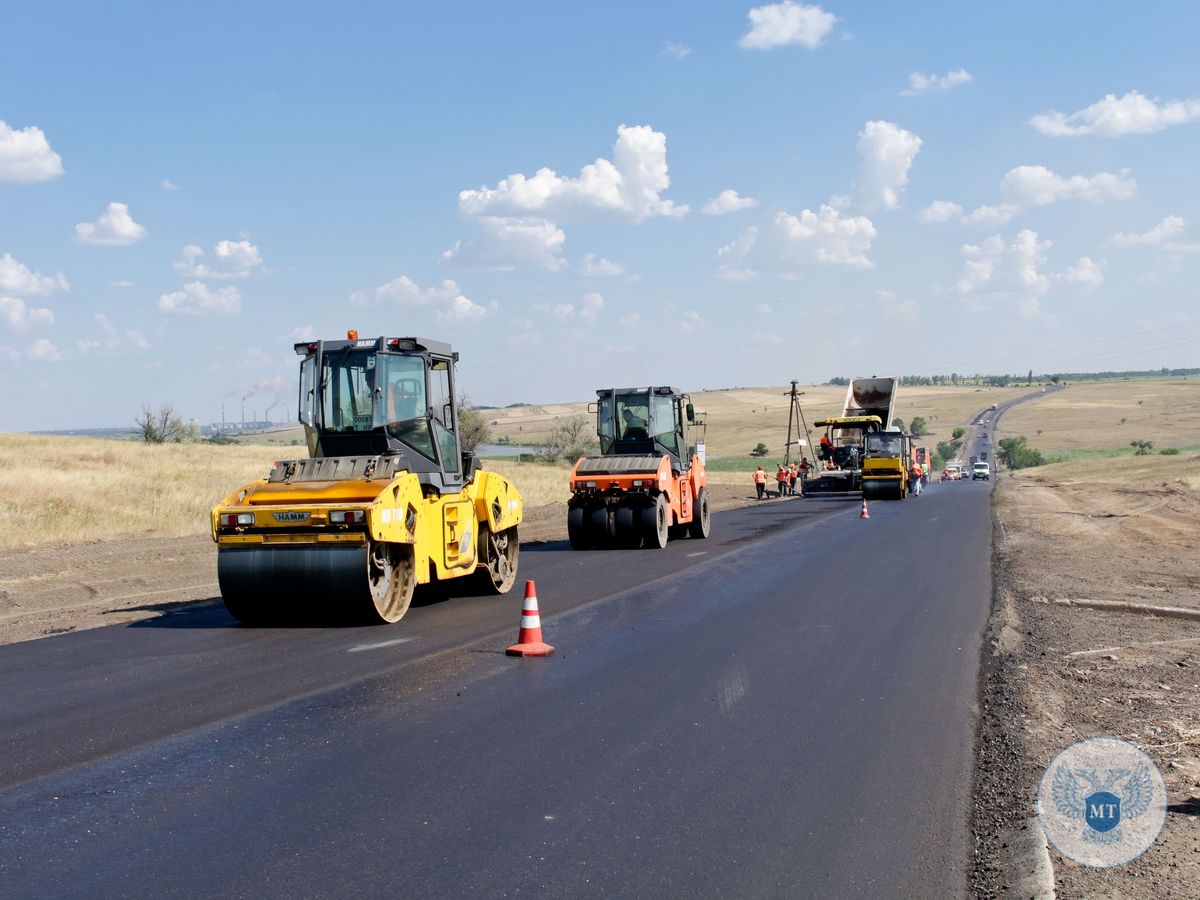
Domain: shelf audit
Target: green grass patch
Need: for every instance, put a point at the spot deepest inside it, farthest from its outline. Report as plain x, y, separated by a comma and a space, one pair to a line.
1058, 456
745, 463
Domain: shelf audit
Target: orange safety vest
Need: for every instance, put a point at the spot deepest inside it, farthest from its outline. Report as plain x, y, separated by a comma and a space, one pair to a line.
782, 474
760, 477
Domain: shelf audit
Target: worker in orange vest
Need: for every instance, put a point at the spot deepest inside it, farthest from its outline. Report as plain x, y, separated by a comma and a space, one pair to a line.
915, 479
792, 479
781, 480
760, 481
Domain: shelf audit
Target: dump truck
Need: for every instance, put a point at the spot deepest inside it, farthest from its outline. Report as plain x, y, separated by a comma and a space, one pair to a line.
867, 409
386, 500
648, 483
885, 465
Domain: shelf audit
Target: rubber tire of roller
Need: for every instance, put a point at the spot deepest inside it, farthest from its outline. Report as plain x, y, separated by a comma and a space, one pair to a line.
656, 523
701, 522
577, 531
599, 525
625, 526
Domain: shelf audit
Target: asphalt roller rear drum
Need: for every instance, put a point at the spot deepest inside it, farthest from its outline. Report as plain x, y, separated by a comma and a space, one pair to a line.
363, 583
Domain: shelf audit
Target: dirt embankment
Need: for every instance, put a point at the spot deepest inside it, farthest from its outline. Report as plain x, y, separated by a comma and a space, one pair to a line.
47, 590
1118, 531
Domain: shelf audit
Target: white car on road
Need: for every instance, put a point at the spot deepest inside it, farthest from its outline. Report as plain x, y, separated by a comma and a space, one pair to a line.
981, 470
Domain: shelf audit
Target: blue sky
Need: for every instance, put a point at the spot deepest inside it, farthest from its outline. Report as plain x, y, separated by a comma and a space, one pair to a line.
185, 189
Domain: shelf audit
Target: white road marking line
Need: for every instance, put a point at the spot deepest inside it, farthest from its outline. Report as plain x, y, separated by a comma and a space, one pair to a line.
697, 553
380, 645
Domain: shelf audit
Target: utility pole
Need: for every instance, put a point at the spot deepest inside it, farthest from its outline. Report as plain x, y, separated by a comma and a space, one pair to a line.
796, 414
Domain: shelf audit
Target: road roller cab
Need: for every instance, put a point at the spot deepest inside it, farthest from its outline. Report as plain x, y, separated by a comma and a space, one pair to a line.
648, 483
386, 501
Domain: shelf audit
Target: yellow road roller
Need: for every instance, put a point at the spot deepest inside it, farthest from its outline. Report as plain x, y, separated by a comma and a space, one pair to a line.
386, 501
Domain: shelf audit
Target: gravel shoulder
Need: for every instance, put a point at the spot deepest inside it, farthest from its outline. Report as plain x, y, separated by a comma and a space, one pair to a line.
1055, 674
47, 590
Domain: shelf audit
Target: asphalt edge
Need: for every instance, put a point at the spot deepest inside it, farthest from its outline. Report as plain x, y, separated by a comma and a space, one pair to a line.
1011, 854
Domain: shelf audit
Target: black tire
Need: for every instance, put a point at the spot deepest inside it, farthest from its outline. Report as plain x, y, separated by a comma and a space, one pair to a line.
598, 526
656, 523
577, 531
625, 526
701, 516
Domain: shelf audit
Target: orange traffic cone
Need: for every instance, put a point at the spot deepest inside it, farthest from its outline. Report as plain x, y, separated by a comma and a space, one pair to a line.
864, 514
529, 639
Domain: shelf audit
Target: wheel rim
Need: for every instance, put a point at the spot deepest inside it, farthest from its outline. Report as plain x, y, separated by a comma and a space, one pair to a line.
502, 562
391, 576
662, 518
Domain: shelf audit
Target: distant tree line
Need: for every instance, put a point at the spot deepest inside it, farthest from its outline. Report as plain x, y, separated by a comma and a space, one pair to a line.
1029, 378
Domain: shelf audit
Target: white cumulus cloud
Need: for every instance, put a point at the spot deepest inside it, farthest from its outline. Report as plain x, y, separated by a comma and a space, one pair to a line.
1038, 186
447, 301
16, 278
987, 216
1165, 231
198, 299
14, 311
1013, 271
505, 243
628, 187
1085, 272
726, 202
919, 83
674, 50
1004, 267
460, 309
597, 266
888, 152
44, 351
893, 308
114, 228
25, 155
790, 243
230, 259
940, 211
780, 24
590, 307
1115, 116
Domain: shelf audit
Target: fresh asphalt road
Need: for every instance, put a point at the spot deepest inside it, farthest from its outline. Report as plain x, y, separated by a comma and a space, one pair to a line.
791, 713
785, 709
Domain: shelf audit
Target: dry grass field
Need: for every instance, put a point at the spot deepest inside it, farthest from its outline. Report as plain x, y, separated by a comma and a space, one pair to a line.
1110, 414
88, 489
740, 418
82, 490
